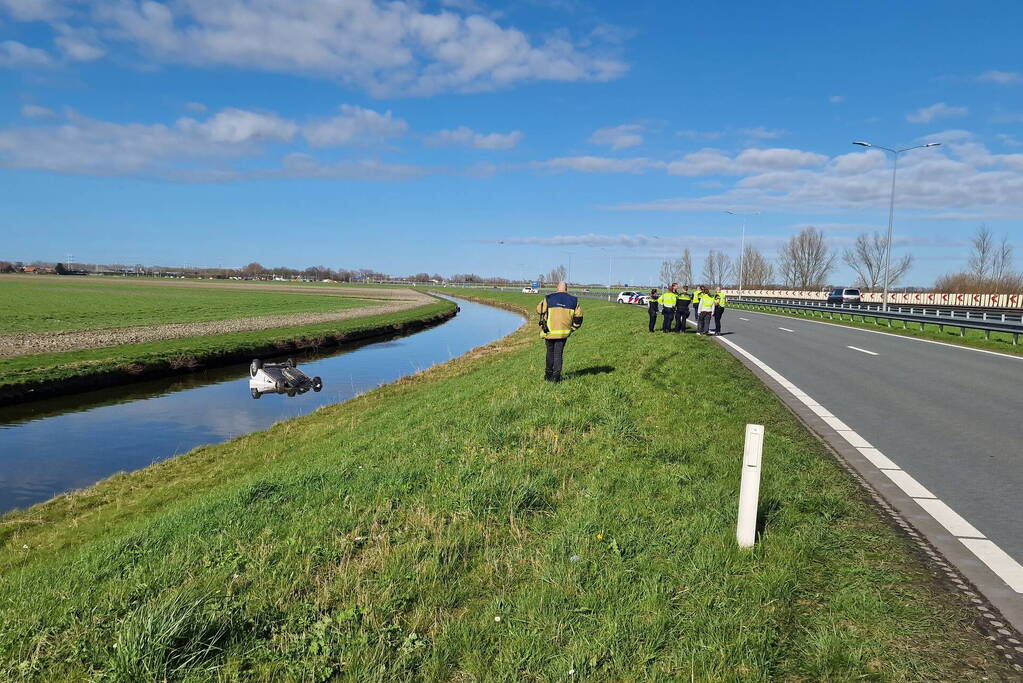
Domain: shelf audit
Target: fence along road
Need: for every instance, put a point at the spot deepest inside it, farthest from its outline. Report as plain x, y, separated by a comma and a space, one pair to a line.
948, 416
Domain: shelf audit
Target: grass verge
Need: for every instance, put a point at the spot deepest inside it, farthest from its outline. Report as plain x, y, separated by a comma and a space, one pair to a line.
474, 523
999, 341
46, 304
71, 370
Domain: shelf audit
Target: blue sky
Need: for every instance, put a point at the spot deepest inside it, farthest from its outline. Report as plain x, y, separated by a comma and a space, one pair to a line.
465, 135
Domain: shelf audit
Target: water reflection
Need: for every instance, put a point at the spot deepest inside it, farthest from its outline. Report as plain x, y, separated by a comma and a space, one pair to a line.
48, 447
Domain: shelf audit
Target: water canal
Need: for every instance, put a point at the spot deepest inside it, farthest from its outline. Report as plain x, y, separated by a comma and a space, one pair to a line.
53, 446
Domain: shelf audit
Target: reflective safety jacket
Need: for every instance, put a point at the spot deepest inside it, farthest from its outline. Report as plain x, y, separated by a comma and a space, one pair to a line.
705, 302
686, 297
720, 299
668, 299
560, 315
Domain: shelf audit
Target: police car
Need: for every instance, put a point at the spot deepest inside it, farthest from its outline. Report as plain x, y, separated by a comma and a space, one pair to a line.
632, 298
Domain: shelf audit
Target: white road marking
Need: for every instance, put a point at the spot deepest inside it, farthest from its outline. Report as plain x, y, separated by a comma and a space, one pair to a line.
786, 329
997, 560
950, 519
910, 486
856, 348
902, 336
746, 319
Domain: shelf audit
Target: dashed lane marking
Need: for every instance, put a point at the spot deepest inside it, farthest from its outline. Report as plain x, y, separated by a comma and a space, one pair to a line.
786, 329
856, 348
997, 560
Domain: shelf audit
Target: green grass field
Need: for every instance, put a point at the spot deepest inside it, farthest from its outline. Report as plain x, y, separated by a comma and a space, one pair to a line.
191, 351
998, 341
475, 523
48, 304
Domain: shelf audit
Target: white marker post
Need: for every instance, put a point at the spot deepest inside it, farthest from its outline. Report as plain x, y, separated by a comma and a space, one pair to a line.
749, 488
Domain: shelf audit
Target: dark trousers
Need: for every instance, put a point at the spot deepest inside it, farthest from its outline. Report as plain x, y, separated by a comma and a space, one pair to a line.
653, 319
669, 315
555, 356
718, 312
681, 315
703, 326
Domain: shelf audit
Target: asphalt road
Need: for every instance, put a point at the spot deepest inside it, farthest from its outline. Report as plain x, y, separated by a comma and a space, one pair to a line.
951, 417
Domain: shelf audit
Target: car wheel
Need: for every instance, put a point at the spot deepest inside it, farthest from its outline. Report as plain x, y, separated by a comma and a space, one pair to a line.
317, 383
254, 367
255, 393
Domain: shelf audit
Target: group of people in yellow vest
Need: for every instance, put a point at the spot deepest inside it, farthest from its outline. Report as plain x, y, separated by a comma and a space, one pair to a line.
674, 305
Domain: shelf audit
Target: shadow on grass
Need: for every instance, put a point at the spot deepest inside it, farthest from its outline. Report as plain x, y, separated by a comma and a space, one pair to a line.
592, 370
765, 513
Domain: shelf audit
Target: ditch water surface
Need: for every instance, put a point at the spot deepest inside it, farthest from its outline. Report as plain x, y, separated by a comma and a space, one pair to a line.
57, 445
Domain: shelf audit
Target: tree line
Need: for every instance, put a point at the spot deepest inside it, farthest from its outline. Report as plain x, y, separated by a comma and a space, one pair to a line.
806, 261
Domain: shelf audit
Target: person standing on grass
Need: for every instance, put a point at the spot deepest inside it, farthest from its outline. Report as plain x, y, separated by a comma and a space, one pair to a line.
652, 307
685, 298
704, 310
719, 309
560, 315
668, 301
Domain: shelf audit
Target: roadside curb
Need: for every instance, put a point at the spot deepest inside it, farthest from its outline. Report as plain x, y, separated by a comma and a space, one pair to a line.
999, 610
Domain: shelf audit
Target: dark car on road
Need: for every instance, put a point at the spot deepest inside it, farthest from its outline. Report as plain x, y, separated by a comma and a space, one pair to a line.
844, 295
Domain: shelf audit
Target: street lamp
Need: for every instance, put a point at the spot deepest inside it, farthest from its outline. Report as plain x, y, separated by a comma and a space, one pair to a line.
742, 242
891, 211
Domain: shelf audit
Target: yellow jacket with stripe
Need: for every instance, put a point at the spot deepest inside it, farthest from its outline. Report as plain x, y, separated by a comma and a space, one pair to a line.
560, 315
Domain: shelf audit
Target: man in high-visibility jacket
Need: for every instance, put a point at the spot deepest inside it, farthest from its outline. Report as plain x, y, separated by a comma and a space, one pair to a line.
668, 301
719, 309
560, 315
685, 298
704, 310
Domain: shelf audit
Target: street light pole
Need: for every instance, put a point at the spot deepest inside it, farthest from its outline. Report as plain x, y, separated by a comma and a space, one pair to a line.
742, 243
891, 211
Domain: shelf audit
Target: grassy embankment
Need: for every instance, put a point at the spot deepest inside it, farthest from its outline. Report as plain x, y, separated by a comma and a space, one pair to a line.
474, 523
999, 341
47, 305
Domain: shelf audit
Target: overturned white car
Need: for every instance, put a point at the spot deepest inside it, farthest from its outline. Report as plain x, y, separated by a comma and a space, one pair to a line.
280, 378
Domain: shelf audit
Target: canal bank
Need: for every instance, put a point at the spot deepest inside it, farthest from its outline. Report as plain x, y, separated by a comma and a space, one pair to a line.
53, 446
472, 521
42, 376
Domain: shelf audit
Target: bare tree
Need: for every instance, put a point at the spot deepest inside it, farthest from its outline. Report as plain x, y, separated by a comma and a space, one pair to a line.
805, 261
667, 274
685, 267
1001, 262
867, 258
983, 254
717, 268
556, 275
757, 271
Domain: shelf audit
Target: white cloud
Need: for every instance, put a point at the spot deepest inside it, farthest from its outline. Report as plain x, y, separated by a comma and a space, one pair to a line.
700, 134
469, 138
34, 111
591, 164
618, 137
1009, 140
761, 133
34, 10
234, 126
936, 111
388, 48
836, 99
716, 162
946, 136
196, 107
190, 150
355, 126
1001, 77
15, 55
961, 175
79, 44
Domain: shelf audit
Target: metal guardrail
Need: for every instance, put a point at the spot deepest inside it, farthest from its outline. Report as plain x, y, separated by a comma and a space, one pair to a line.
1005, 315
986, 326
